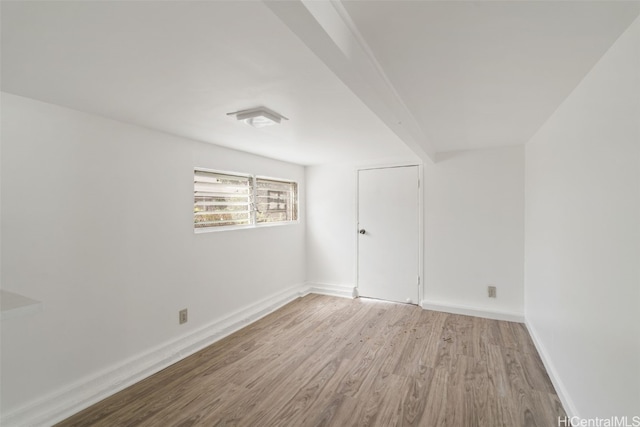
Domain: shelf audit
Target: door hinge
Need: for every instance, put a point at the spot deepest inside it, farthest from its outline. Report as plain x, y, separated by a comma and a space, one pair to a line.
418, 280
418, 183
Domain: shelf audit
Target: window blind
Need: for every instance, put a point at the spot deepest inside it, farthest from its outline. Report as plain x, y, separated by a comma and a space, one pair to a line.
221, 199
276, 201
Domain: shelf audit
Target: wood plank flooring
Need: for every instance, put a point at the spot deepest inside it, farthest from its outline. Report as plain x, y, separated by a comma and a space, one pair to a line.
326, 361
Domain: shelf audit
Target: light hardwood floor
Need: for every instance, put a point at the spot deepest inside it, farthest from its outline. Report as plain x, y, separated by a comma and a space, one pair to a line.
326, 361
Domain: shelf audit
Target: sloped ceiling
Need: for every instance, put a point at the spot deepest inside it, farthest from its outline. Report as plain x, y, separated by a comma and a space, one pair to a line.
480, 74
359, 80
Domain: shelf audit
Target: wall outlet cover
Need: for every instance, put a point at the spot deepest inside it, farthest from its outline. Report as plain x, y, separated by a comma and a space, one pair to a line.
492, 291
182, 316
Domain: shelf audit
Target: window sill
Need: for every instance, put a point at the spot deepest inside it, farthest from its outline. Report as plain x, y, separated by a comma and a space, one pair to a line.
242, 227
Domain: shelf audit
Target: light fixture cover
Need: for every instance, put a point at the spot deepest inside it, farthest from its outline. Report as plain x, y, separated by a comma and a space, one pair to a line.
258, 117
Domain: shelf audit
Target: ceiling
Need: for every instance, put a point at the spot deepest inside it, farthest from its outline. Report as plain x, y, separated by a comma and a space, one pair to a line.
359, 81
481, 74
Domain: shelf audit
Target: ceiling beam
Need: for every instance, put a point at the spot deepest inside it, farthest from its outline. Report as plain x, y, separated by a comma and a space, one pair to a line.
328, 30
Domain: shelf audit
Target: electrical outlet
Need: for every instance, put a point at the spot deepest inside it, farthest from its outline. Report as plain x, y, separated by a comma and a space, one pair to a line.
182, 316
492, 291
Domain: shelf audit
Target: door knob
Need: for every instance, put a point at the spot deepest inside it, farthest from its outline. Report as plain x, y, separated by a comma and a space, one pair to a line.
362, 231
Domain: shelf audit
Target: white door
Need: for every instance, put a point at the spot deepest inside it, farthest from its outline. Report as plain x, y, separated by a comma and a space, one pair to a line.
388, 234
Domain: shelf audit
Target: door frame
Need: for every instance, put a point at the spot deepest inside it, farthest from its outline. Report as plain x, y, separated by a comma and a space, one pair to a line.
420, 248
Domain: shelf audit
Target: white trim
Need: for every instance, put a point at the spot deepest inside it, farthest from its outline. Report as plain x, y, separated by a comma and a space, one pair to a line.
345, 291
356, 246
421, 232
223, 172
204, 230
470, 311
561, 390
69, 400
388, 165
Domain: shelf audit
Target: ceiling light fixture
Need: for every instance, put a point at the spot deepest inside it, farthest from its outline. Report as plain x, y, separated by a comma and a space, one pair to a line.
258, 117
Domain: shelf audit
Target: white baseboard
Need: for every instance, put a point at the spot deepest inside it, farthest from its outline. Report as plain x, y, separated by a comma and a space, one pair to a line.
63, 403
470, 311
561, 390
345, 291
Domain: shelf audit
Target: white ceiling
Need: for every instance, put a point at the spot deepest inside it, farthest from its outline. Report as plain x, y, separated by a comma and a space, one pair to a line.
480, 74
181, 66
357, 79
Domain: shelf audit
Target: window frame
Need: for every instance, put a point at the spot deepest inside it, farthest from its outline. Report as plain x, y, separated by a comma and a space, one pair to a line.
253, 223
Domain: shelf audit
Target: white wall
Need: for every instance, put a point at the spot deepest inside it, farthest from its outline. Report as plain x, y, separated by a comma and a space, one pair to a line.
582, 272
331, 224
474, 229
97, 223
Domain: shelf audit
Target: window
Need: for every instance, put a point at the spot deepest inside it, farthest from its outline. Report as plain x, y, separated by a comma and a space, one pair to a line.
221, 199
224, 199
276, 201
